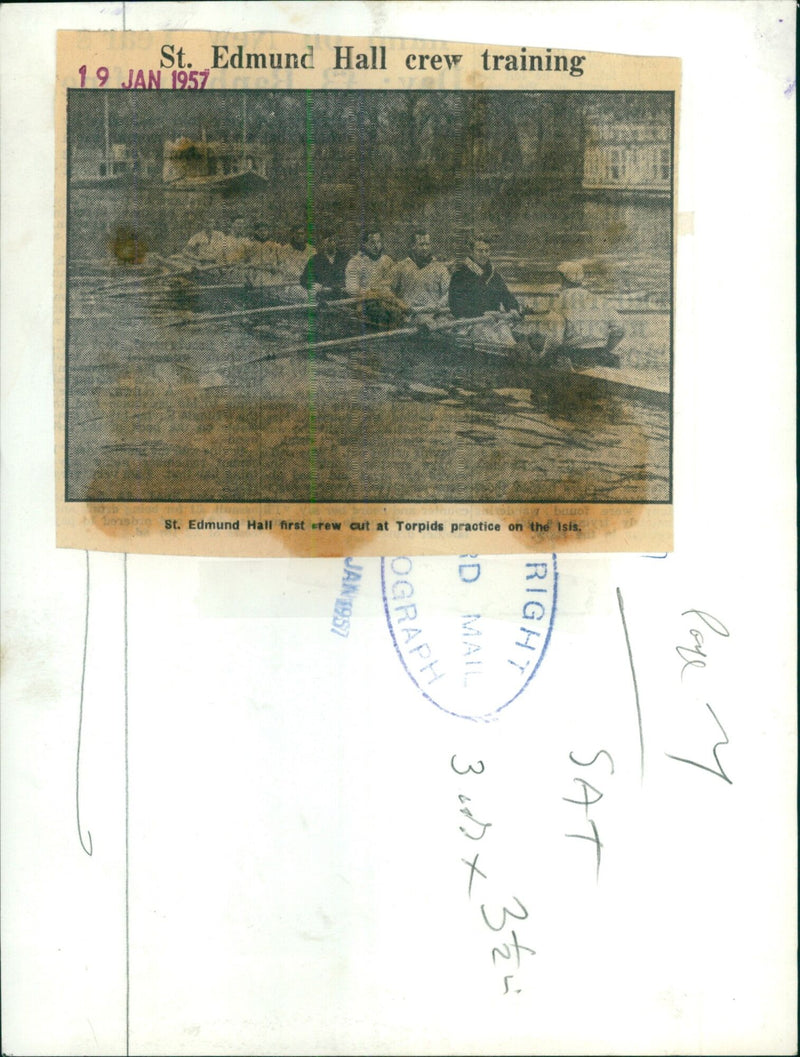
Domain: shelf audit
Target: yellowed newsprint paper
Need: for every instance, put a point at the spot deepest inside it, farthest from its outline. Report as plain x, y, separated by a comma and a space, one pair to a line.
335, 296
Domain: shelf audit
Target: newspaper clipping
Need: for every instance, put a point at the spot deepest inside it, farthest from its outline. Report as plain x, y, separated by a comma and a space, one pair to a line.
328, 296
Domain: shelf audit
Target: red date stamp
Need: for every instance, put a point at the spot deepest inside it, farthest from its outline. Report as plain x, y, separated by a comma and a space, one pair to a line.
149, 79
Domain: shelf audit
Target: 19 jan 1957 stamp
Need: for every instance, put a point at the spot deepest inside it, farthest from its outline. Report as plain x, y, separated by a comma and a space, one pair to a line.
322, 296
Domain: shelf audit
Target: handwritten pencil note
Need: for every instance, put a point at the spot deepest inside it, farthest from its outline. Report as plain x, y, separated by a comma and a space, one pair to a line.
301, 828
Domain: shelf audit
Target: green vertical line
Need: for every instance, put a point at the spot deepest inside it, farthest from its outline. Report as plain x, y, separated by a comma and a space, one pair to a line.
312, 378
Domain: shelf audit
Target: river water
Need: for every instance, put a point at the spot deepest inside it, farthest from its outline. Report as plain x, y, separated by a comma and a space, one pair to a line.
219, 412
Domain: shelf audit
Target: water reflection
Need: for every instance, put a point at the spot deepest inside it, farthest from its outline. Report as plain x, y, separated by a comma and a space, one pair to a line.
627, 243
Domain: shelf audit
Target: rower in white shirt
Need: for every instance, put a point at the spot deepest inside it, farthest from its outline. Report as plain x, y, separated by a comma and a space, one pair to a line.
369, 269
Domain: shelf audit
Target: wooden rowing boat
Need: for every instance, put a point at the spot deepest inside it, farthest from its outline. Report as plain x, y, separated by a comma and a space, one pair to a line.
464, 361
555, 382
214, 295
461, 360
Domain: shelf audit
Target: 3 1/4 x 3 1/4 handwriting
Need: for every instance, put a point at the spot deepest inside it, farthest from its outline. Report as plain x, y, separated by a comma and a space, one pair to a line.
494, 918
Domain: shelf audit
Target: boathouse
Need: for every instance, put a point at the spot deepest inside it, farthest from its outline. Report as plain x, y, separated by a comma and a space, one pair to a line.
118, 163
631, 156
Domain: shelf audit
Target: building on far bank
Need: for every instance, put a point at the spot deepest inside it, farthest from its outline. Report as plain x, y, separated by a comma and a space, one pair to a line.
633, 156
118, 163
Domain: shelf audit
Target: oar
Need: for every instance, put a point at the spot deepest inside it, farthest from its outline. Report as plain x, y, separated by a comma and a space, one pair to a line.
334, 343
124, 285
622, 310
443, 325
218, 286
180, 265
621, 302
400, 332
295, 306
447, 325
188, 289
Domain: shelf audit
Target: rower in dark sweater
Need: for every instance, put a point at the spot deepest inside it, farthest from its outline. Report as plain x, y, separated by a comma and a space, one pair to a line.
325, 271
476, 286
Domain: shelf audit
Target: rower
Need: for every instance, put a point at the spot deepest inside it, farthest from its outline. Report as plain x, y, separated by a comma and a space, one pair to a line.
292, 258
325, 271
421, 282
263, 259
582, 329
209, 245
369, 269
261, 230
278, 265
240, 245
476, 286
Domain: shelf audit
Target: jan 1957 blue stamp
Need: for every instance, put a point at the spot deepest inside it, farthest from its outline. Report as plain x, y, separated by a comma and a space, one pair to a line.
471, 632
343, 607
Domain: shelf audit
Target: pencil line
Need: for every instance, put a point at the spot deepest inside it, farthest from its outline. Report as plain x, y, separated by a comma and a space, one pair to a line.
90, 847
127, 853
635, 683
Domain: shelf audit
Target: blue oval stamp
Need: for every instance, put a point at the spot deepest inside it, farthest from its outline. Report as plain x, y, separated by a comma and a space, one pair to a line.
470, 632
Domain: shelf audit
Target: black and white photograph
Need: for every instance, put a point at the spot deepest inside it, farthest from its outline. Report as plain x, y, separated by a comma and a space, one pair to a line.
369, 296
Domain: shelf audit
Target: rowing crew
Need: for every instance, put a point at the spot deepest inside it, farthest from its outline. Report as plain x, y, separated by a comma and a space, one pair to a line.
581, 327
237, 248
